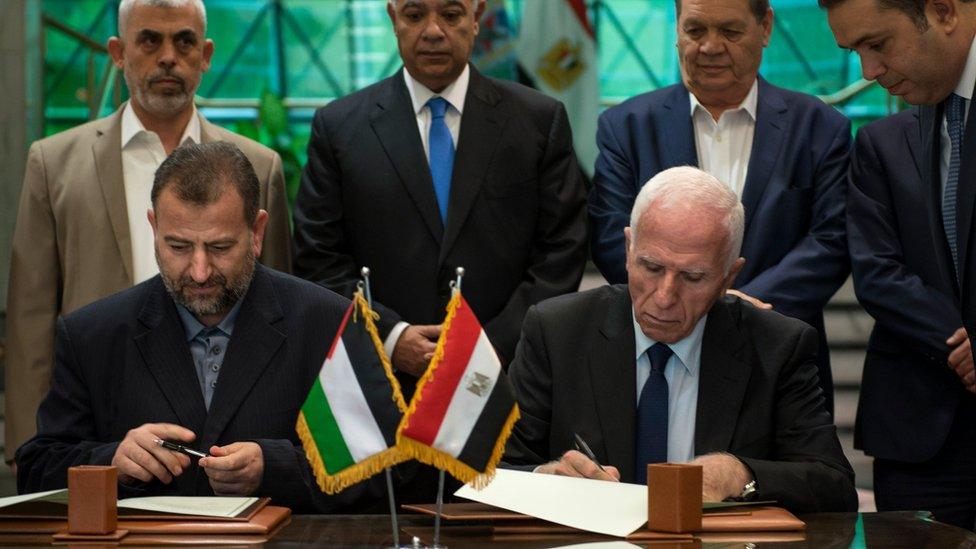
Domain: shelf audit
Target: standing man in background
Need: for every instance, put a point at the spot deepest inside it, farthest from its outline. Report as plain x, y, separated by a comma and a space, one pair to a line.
439, 167
917, 408
784, 153
81, 231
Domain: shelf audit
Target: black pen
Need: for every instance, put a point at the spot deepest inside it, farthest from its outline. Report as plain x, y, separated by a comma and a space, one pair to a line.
181, 449
582, 446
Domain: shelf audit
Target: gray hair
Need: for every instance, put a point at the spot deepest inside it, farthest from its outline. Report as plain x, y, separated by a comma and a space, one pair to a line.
125, 7
689, 185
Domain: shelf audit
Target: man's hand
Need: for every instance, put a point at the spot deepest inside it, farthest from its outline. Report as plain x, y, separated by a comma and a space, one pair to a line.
575, 464
961, 358
235, 469
415, 348
140, 458
757, 303
723, 476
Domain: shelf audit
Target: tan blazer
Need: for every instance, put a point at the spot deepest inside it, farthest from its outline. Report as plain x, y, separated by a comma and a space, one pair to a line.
71, 246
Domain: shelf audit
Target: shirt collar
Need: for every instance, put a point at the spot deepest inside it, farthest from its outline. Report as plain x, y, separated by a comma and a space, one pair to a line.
964, 88
194, 327
454, 93
132, 126
749, 104
688, 350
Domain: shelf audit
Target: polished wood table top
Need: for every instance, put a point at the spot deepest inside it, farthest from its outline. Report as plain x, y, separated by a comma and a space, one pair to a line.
824, 530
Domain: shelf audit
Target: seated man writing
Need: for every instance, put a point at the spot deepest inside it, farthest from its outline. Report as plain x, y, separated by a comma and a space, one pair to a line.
215, 353
667, 369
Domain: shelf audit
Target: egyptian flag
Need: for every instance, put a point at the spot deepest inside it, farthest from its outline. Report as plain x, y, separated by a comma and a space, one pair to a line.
349, 420
464, 407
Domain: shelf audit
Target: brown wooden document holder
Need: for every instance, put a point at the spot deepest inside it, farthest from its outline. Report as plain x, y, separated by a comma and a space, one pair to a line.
674, 497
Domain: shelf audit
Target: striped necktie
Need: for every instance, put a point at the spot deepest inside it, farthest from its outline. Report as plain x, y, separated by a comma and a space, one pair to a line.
954, 111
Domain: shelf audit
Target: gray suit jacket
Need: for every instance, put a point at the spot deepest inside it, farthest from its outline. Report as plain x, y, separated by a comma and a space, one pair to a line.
71, 246
758, 395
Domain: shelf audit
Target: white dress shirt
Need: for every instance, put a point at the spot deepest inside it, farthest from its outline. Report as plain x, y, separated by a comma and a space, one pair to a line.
724, 147
964, 89
682, 375
454, 94
142, 153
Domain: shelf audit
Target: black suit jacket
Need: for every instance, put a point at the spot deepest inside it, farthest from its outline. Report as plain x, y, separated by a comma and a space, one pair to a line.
909, 395
758, 395
930, 122
124, 361
516, 217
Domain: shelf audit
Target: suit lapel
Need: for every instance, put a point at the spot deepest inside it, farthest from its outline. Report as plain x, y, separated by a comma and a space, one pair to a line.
930, 132
395, 124
613, 374
768, 139
481, 128
164, 349
680, 149
914, 141
724, 377
107, 150
253, 344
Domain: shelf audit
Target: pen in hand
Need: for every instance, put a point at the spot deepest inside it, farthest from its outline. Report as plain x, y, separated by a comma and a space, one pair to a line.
583, 447
181, 449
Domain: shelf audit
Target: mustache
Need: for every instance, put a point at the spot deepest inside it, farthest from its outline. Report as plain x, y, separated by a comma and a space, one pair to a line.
167, 75
215, 279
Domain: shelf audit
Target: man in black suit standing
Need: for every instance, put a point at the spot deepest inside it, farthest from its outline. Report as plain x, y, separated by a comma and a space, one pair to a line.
915, 415
665, 369
439, 167
215, 353
924, 52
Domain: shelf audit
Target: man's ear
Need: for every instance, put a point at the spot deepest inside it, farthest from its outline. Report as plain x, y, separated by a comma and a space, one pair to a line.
116, 49
257, 232
151, 214
734, 271
943, 14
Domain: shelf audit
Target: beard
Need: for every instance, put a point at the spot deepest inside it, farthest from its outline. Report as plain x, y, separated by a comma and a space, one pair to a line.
231, 291
160, 104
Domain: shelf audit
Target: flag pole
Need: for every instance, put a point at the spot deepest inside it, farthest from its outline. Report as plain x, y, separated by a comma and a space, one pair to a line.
456, 289
364, 284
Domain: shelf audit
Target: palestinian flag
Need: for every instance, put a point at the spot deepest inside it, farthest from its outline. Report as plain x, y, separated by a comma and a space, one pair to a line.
349, 420
464, 408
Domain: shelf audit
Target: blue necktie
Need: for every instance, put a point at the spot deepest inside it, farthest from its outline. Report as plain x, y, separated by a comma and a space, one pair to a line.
954, 111
651, 444
441, 153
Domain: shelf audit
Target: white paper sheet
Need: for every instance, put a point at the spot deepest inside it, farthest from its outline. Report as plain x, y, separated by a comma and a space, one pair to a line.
227, 507
611, 508
14, 500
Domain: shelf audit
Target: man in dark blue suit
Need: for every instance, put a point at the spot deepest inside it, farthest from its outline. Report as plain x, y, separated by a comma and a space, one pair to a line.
915, 414
215, 353
784, 153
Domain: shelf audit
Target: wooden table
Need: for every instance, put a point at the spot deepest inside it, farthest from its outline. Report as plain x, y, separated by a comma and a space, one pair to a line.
824, 530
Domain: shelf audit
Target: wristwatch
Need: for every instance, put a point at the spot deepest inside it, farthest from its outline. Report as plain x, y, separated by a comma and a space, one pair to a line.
748, 492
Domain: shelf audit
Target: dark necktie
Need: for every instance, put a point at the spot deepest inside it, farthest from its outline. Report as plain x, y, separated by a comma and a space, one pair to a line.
651, 444
954, 110
441, 153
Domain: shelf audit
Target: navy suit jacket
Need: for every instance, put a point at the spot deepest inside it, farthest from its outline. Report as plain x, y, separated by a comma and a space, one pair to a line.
124, 361
909, 395
794, 243
964, 290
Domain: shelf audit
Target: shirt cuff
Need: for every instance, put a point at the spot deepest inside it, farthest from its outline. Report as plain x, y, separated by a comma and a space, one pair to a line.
393, 337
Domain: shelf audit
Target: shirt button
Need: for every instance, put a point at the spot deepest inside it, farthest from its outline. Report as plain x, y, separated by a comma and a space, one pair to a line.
718, 137
213, 383
215, 367
215, 350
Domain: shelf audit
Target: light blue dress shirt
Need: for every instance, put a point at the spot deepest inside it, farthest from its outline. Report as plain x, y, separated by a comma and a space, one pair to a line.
682, 374
208, 346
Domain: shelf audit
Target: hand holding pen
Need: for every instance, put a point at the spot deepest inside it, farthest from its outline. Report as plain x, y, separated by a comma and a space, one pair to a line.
580, 463
139, 457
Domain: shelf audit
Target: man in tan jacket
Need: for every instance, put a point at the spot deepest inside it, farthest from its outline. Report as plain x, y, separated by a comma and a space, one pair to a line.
82, 231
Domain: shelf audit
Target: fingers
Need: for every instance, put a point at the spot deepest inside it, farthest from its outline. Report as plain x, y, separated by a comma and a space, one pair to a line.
170, 431
575, 464
139, 456
234, 469
758, 303
957, 337
429, 331
961, 358
130, 471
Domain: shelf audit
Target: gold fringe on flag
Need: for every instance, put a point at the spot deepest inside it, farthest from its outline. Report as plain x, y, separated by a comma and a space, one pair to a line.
434, 457
370, 316
354, 474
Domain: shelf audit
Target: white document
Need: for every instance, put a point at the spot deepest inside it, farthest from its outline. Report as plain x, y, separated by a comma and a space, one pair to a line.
611, 508
57, 496
226, 507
